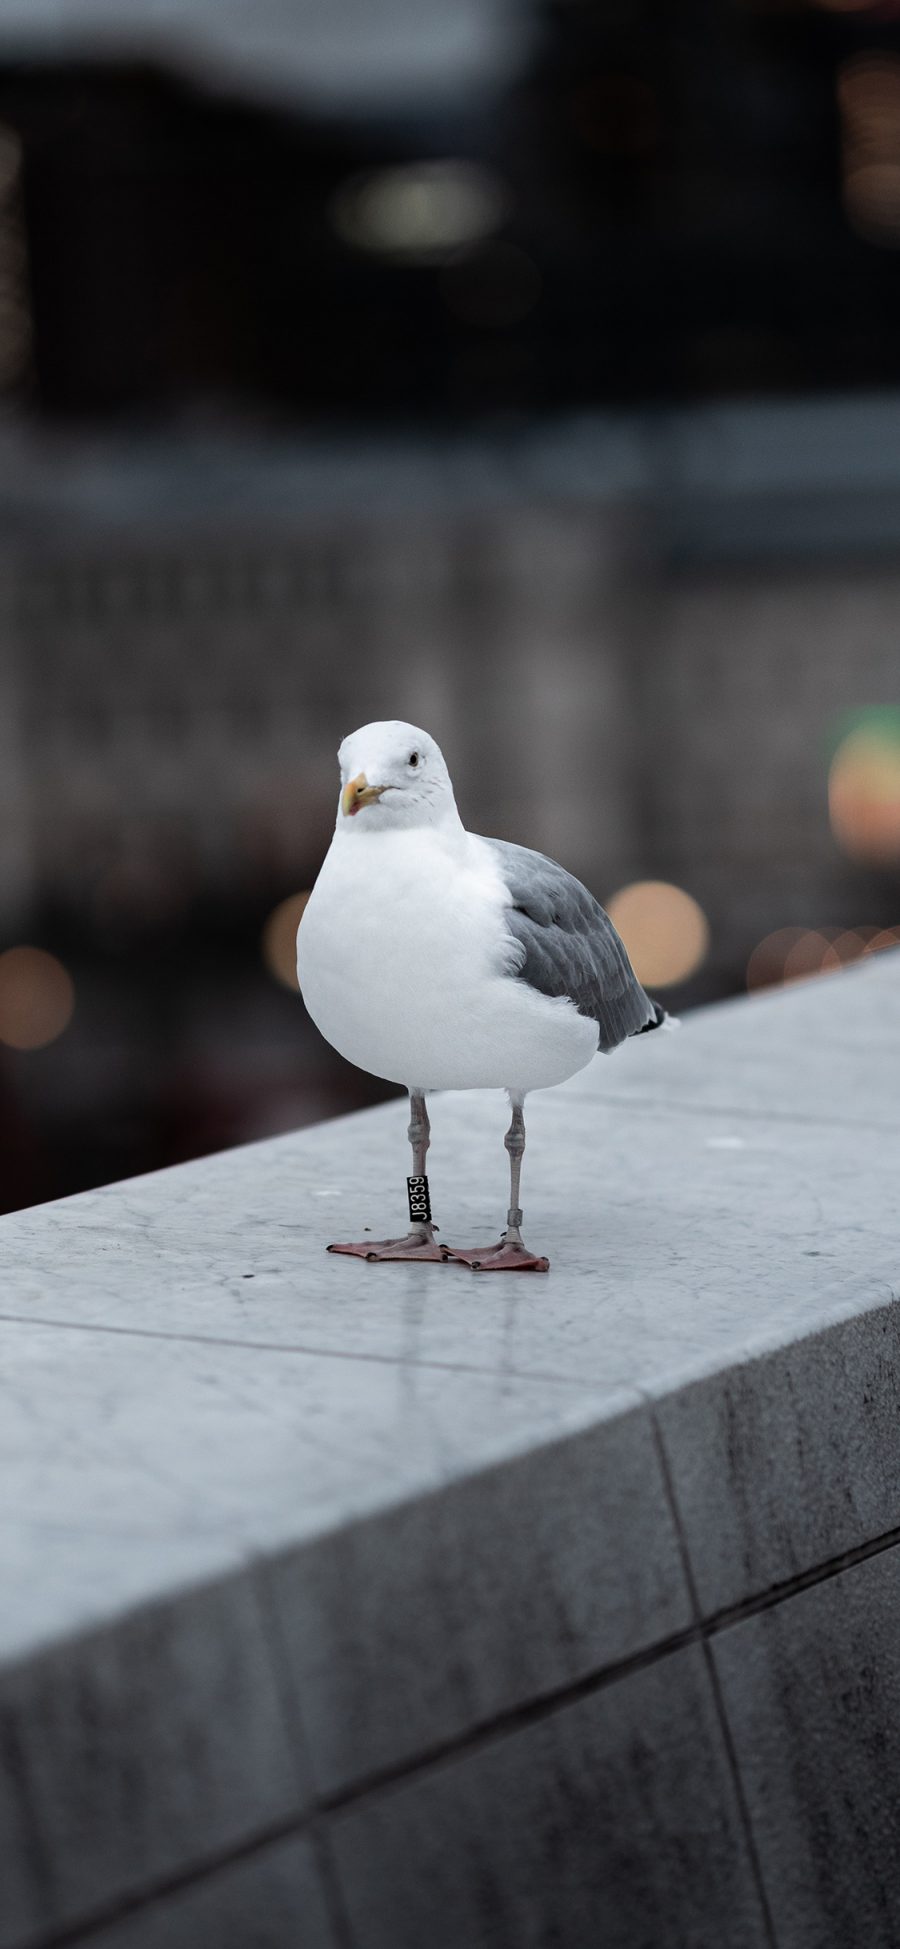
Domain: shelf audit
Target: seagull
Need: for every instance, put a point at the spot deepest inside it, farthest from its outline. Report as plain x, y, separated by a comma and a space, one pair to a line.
441, 960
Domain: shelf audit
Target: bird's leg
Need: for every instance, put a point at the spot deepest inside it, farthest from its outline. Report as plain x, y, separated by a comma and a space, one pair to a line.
420, 1242
515, 1144
510, 1254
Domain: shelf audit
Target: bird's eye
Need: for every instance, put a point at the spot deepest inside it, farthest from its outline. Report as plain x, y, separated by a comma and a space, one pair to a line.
413, 760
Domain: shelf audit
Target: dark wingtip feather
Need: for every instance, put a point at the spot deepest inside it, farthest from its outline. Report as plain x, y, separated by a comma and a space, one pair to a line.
659, 1020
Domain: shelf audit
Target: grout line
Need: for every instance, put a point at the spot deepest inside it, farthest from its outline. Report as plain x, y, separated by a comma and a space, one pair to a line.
330, 1883
803, 1580
517, 1717
743, 1808
477, 1738
125, 1906
292, 1711
36, 1857
513, 1719
714, 1682
399, 1360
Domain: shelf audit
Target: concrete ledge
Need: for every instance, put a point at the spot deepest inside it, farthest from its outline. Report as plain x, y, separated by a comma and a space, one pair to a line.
387, 1604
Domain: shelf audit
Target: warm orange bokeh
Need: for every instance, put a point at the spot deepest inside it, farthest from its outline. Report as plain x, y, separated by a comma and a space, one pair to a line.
864, 795
279, 939
665, 931
794, 953
37, 998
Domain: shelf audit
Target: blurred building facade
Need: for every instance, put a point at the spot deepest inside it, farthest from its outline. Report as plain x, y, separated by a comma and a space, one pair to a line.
635, 650
513, 370
634, 664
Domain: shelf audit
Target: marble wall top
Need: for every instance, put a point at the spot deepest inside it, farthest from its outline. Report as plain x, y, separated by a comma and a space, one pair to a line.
277, 1527
187, 1378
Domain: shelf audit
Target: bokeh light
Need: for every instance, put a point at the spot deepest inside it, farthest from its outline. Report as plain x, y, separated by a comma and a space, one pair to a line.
864, 789
868, 91
795, 953
423, 210
279, 939
37, 998
663, 928
15, 318
10, 159
851, 942
872, 201
813, 954
886, 937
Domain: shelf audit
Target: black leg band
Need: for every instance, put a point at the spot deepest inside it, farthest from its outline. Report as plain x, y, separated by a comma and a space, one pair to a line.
419, 1201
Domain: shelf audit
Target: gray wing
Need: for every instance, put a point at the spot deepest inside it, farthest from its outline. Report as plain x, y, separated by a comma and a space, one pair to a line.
571, 946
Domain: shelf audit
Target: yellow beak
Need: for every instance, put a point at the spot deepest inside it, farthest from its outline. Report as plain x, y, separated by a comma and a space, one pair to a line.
358, 793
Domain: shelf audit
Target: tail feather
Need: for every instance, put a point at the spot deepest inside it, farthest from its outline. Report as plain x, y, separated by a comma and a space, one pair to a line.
660, 1020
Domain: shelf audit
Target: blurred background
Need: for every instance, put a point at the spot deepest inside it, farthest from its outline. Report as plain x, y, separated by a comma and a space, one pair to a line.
526, 368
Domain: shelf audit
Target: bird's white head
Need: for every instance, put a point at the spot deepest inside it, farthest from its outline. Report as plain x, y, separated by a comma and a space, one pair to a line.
393, 775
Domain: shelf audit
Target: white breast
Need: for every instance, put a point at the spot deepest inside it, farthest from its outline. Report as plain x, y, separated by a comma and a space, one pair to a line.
405, 963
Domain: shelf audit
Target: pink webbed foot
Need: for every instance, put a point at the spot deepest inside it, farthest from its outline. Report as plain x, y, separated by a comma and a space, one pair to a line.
415, 1246
508, 1255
